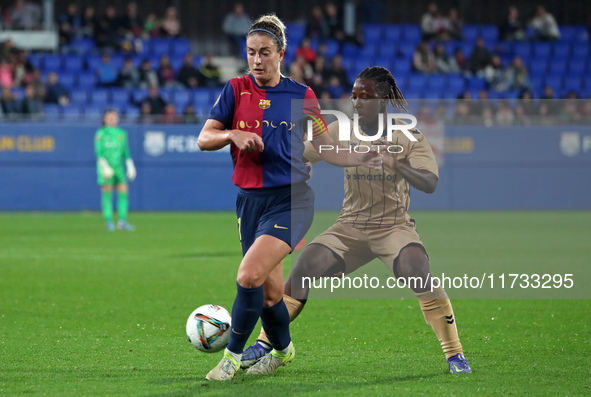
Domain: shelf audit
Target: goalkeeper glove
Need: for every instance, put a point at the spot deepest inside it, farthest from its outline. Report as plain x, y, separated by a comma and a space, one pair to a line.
131, 172
106, 170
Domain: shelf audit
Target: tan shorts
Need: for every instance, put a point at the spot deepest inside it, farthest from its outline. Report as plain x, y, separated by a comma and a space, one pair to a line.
358, 247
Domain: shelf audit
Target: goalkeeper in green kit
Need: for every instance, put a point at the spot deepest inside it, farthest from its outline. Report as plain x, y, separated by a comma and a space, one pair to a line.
112, 151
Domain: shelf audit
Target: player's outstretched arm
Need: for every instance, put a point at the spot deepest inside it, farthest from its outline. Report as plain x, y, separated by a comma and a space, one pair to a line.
335, 154
213, 136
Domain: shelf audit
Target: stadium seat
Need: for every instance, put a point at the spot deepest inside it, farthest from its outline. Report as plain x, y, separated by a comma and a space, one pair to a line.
558, 67
182, 97
522, 50
538, 67
79, 97
466, 49
82, 46
166, 94
476, 83
541, 50
99, 97
368, 51
536, 82
295, 34
52, 112
416, 82
201, 99
332, 48
180, 47
176, 61
402, 67
158, 47
412, 33
131, 113
572, 83
587, 83
362, 64
470, 33
371, 33
406, 50
86, 80
387, 50
392, 33
455, 85
489, 33
554, 81
67, 80
580, 52
560, 50
138, 95
401, 82
576, 67
52, 63
72, 63
71, 113
93, 62
93, 113
431, 94
119, 96
435, 83
384, 62
36, 60
350, 51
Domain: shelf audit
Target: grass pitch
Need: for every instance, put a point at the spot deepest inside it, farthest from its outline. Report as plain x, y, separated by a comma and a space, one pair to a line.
88, 312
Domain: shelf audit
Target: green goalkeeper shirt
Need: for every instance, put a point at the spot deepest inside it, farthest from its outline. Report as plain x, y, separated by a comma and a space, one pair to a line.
111, 143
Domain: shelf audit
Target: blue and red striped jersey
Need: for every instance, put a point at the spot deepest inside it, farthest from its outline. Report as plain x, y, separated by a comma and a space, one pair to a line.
268, 112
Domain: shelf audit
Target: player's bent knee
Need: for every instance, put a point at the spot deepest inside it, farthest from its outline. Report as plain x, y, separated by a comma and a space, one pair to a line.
249, 279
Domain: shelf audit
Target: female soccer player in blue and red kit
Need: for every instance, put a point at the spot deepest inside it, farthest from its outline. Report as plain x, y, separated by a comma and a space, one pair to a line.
254, 114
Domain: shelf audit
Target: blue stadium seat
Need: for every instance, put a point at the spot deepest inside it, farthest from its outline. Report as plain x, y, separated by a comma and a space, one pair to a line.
82, 46
78, 97
201, 99
435, 83
412, 33
93, 62
159, 47
416, 82
455, 84
587, 83
581, 34
86, 80
522, 50
580, 52
166, 94
362, 64
387, 50
536, 83
560, 50
52, 63
392, 33
538, 67
332, 48
568, 33
176, 61
431, 94
99, 97
384, 62
350, 51
71, 113
470, 33
372, 33
558, 67
401, 82
93, 113
67, 80
72, 63
476, 83
402, 67
295, 34
52, 112
131, 113
36, 60
406, 50
138, 95
467, 49
572, 83
368, 51
576, 67
119, 96
182, 97
489, 33
541, 50
180, 47
553, 81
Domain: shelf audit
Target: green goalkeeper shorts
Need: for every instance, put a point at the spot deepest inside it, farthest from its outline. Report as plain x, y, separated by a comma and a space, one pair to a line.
116, 179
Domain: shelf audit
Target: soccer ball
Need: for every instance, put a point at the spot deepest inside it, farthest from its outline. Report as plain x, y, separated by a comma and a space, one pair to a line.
208, 328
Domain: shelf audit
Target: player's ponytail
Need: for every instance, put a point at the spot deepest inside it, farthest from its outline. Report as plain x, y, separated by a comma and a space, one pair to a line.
270, 25
385, 85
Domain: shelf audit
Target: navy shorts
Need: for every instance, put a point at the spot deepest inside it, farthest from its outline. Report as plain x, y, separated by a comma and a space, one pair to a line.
284, 212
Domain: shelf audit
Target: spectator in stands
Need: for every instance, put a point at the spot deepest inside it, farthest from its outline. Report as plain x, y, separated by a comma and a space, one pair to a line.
171, 26
586, 112
480, 57
151, 26
73, 18
497, 78
8, 51
157, 104
56, 92
146, 116
337, 69
461, 61
334, 88
445, 63
8, 102
188, 74
521, 117
166, 73
333, 21
23, 70
487, 117
431, 23
131, 24
210, 73
189, 115
423, 59
235, 27
300, 70
65, 33
89, 22
504, 115
105, 31
306, 51
106, 72
545, 25
128, 77
483, 102
169, 116
6, 77
317, 27
441, 113
29, 105
552, 103
526, 100
512, 29
570, 110
148, 76
517, 75
462, 113
453, 26
25, 15
38, 84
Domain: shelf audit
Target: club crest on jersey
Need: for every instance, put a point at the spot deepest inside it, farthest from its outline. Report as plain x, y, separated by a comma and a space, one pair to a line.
265, 103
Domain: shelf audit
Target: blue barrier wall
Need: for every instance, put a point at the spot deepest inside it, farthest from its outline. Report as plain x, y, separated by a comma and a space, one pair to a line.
52, 167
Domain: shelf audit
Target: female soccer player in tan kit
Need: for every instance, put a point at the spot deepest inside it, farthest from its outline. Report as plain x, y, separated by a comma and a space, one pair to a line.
374, 221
